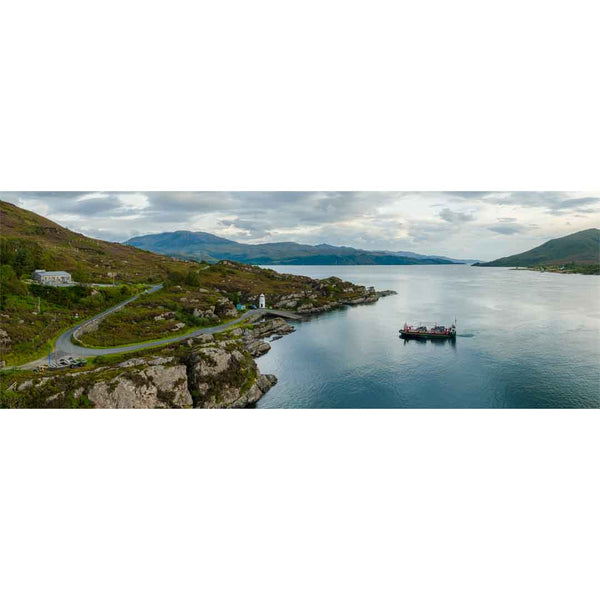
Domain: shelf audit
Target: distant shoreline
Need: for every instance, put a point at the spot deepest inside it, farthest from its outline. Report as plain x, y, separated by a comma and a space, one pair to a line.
566, 271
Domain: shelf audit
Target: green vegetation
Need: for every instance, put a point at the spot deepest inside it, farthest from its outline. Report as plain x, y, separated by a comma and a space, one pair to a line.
25, 389
578, 253
174, 310
246, 282
32, 316
207, 296
30, 242
193, 296
565, 268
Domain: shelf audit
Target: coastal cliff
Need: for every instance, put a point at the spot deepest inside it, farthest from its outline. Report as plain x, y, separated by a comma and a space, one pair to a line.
210, 371
207, 371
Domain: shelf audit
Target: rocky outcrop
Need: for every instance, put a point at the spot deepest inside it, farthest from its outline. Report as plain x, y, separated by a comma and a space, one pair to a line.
150, 387
218, 374
222, 378
208, 371
208, 313
266, 328
212, 373
4, 339
166, 315
258, 347
225, 309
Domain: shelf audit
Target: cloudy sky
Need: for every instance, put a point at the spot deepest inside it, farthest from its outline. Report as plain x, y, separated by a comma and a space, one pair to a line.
482, 225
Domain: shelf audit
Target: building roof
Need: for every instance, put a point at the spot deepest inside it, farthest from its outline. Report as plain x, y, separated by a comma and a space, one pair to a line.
58, 273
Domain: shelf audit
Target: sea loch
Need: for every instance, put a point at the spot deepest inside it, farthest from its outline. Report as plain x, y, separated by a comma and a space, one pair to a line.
525, 340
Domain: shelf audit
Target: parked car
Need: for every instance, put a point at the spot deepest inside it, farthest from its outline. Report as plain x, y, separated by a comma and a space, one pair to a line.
67, 362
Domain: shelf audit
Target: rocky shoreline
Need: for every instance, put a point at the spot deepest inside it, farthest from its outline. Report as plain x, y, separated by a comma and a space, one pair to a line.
208, 371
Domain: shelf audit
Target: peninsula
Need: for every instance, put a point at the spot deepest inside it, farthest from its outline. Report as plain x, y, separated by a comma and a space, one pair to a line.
575, 253
156, 331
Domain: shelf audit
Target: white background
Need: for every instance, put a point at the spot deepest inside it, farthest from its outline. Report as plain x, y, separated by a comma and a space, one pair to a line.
278, 96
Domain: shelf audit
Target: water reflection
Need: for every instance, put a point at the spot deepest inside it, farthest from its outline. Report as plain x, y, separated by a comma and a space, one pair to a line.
527, 340
438, 341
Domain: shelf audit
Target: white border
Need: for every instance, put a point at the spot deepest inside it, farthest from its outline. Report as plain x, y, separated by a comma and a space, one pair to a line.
267, 95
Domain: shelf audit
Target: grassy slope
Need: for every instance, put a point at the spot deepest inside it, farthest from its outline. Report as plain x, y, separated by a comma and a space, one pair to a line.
33, 320
153, 316
30, 241
56, 248
581, 248
226, 280
32, 316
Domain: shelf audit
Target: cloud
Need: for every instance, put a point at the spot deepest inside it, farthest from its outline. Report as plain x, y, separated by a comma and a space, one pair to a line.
581, 204
247, 227
455, 217
508, 228
457, 223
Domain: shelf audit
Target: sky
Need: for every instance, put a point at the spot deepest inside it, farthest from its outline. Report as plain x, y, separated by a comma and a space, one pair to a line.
476, 225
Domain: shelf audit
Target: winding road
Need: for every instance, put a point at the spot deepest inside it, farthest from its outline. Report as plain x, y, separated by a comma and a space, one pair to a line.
64, 344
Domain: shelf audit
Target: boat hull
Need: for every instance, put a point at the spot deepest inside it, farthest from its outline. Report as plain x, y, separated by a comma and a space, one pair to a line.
427, 336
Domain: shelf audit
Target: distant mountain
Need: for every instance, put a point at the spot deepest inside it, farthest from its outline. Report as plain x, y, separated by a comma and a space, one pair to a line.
582, 248
198, 245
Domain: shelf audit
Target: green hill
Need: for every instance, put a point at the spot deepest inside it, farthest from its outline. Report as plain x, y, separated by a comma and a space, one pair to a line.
199, 245
581, 248
29, 241
32, 315
193, 295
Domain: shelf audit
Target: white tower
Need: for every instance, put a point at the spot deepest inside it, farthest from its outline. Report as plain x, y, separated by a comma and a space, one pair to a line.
261, 301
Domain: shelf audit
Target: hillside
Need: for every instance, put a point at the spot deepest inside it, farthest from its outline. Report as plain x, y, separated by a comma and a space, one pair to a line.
198, 245
32, 315
581, 248
192, 296
30, 241
210, 295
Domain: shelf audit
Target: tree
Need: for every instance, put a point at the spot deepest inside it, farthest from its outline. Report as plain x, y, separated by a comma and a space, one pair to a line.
9, 284
24, 261
192, 279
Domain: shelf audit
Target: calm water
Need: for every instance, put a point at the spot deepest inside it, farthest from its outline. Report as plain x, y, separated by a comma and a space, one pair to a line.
525, 339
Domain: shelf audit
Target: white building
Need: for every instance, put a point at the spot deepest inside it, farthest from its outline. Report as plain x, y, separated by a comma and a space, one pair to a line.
51, 277
261, 301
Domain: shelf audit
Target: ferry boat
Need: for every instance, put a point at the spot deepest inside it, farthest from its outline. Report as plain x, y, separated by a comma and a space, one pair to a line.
437, 332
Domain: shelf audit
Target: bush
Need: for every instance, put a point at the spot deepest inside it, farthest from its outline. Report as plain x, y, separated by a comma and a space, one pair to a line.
10, 284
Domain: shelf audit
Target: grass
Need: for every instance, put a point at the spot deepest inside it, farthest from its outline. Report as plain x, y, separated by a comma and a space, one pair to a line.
35, 242
51, 390
34, 318
153, 317
170, 339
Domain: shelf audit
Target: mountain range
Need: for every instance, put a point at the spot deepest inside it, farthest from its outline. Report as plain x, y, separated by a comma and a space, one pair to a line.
582, 247
198, 245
